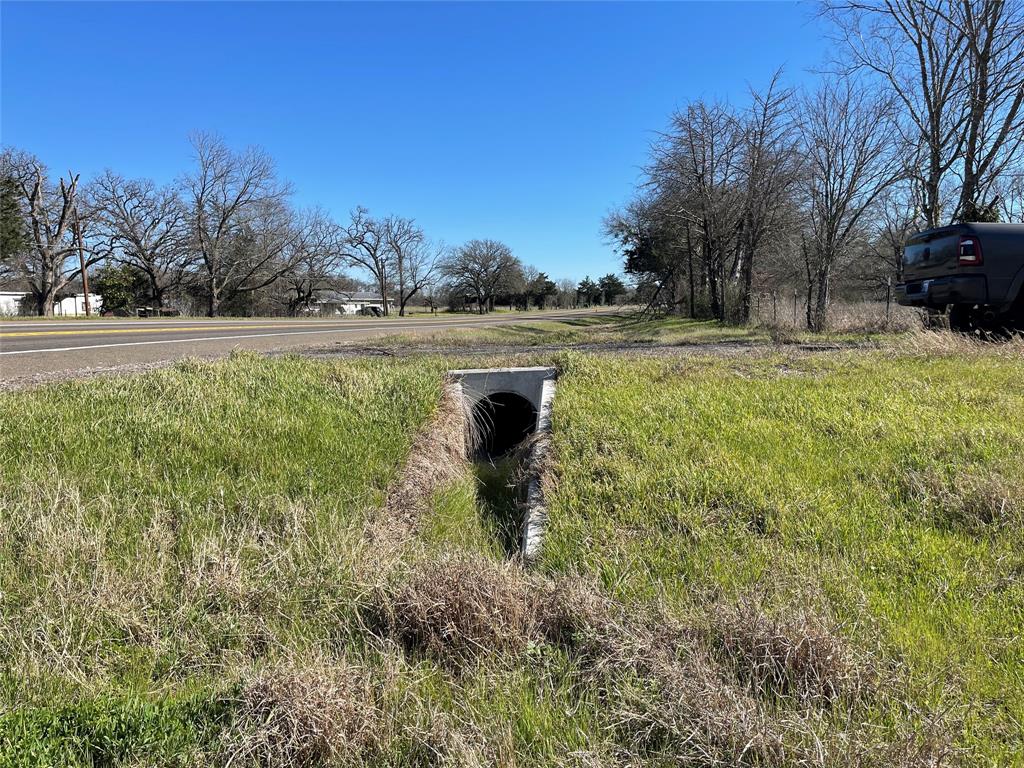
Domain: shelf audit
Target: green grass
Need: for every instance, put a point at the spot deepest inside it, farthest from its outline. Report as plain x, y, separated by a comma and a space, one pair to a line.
161, 532
787, 478
167, 538
627, 329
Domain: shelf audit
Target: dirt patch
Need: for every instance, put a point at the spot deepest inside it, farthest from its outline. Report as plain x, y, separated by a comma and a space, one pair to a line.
438, 458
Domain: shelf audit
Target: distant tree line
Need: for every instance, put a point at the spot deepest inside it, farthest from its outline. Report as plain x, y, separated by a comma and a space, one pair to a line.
225, 238
918, 123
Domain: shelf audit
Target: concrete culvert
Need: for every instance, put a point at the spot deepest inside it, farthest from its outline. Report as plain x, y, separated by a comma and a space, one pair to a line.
509, 407
503, 420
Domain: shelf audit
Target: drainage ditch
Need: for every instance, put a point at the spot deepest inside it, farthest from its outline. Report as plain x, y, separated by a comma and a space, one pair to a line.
511, 424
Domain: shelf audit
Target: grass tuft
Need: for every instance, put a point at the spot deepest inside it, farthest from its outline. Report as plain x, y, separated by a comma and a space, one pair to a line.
303, 715
455, 609
799, 656
969, 500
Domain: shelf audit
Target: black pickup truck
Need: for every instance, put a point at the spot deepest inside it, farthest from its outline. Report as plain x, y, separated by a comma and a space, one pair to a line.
975, 271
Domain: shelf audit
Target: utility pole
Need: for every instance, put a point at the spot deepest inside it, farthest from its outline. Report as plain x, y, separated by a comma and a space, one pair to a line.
81, 262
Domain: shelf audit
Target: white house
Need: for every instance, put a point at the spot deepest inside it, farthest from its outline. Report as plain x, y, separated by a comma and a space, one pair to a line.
74, 305
10, 302
348, 302
15, 299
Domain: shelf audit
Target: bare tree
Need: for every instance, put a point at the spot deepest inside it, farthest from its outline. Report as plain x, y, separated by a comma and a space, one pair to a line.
956, 68
1011, 197
480, 268
921, 57
895, 221
415, 259
366, 247
696, 176
264, 248
145, 226
994, 131
770, 170
51, 260
318, 256
847, 136
228, 192
566, 296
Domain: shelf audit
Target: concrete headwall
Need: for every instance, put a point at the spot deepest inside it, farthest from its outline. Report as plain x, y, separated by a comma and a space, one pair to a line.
528, 383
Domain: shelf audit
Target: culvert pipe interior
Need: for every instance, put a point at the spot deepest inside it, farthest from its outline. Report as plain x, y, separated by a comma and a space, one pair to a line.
508, 406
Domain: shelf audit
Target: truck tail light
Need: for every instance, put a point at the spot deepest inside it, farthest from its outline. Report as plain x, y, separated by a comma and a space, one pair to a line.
970, 251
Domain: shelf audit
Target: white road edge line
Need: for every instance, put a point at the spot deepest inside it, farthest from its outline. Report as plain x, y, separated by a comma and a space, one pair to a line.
449, 324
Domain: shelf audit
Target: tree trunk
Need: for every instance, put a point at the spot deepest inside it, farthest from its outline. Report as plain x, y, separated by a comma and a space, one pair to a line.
689, 271
821, 302
44, 304
213, 305
932, 209
712, 276
808, 303
382, 284
746, 281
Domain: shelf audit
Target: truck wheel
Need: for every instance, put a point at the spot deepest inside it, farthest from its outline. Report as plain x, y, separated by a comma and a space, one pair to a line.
963, 319
934, 320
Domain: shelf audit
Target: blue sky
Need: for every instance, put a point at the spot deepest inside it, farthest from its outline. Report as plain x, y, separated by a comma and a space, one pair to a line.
524, 122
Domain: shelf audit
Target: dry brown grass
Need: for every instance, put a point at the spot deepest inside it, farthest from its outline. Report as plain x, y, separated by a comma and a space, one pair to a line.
437, 459
798, 656
455, 609
729, 685
922, 341
972, 500
303, 715
853, 317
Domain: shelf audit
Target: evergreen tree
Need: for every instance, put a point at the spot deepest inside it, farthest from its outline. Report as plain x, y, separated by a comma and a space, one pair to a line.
122, 288
611, 286
589, 291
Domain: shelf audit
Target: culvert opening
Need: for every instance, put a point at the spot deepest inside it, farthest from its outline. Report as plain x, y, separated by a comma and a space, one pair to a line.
510, 410
503, 421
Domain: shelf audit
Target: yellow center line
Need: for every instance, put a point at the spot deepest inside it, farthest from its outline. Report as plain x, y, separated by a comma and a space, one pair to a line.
402, 323
172, 329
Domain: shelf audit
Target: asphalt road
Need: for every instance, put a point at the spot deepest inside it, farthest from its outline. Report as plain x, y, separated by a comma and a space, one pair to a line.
46, 349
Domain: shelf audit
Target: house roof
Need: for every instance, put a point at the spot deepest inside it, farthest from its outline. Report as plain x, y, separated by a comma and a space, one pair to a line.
15, 285
342, 297
22, 285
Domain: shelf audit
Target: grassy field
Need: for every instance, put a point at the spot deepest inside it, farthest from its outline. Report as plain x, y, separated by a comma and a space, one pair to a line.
161, 533
777, 559
611, 330
880, 492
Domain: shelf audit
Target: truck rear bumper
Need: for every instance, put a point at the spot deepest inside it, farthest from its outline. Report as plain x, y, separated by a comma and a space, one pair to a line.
940, 291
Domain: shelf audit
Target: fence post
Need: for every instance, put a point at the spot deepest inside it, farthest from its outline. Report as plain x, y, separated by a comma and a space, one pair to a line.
888, 297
